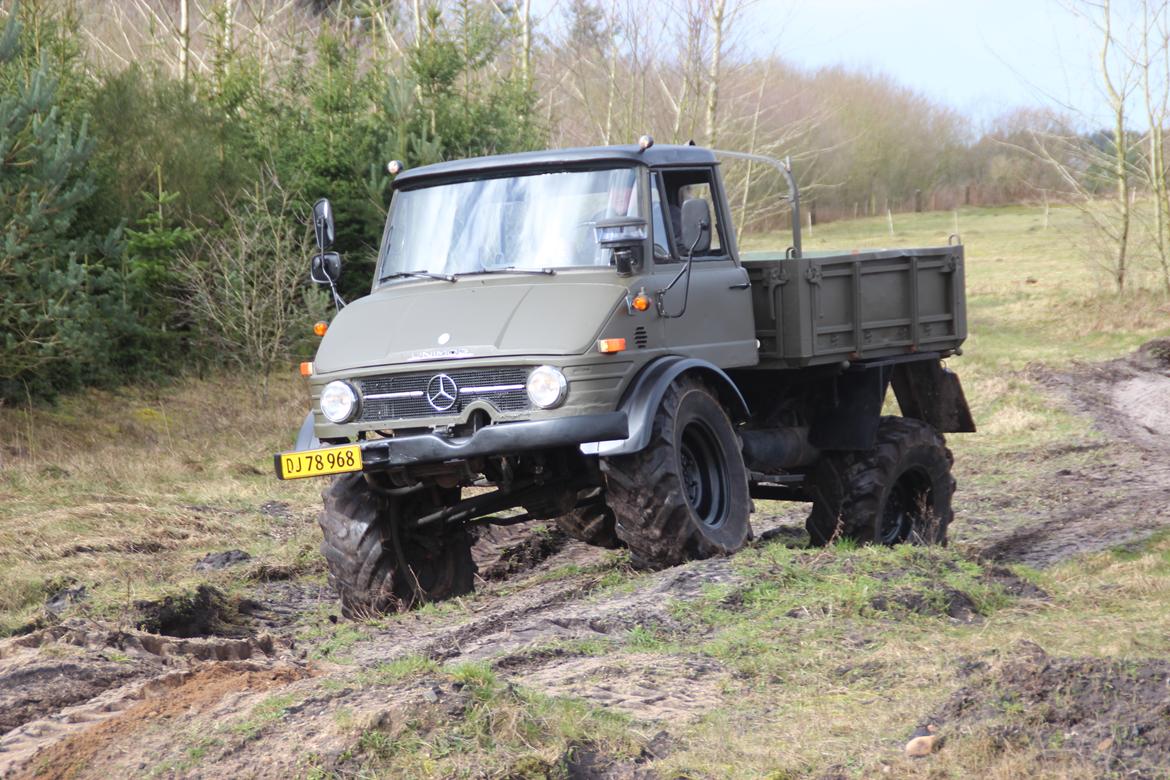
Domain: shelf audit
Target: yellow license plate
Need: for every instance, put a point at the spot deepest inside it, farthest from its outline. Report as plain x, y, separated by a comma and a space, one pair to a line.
317, 463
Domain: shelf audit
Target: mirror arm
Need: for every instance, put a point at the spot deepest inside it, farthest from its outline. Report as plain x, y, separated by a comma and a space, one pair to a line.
338, 301
660, 295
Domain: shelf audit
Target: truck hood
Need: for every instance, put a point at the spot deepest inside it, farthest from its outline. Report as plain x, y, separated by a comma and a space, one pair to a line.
423, 321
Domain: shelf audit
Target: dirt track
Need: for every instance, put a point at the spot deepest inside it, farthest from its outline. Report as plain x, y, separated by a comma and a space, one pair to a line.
83, 699
1126, 495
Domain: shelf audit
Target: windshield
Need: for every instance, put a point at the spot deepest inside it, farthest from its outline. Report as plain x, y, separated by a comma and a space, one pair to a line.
533, 222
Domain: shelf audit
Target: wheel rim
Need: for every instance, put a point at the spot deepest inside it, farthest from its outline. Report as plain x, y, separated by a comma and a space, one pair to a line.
704, 475
908, 507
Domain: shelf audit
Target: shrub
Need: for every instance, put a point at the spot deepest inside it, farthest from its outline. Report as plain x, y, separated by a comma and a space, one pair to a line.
245, 284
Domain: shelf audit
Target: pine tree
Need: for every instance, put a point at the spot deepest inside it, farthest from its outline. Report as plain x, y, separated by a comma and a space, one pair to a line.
46, 306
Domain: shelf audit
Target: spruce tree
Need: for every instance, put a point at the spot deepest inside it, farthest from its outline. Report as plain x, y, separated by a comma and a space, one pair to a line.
47, 300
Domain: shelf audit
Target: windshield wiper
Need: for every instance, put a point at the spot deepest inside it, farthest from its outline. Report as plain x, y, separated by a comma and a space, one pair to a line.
422, 274
509, 269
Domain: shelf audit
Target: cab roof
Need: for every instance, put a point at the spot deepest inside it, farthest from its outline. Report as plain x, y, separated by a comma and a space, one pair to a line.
554, 159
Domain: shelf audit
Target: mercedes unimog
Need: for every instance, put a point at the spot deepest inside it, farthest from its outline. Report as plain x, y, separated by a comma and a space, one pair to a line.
574, 336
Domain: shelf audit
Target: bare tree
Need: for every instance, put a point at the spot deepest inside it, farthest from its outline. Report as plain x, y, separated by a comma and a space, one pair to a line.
1118, 88
1155, 74
245, 284
1102, 161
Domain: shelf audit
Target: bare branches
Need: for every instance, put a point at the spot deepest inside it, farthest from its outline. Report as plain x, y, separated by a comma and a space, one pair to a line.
245, 284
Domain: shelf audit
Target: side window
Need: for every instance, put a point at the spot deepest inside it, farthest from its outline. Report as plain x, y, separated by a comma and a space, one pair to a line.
681, 186
660, 220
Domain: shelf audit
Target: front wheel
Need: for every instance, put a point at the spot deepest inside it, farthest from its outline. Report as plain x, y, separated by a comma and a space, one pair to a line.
900, 491
377, 563
592, 521
686, 494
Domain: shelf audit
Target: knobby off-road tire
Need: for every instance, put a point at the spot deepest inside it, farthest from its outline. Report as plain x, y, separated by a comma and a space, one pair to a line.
900, 491
592, 523
686, 494
366, 570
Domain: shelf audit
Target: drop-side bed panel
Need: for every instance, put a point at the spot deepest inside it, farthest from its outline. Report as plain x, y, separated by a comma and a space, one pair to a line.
823, 309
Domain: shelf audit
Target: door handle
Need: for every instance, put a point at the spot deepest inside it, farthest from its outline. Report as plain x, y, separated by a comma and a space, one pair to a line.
740, 286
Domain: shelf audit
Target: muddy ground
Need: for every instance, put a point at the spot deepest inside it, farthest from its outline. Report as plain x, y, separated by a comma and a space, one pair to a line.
83, 699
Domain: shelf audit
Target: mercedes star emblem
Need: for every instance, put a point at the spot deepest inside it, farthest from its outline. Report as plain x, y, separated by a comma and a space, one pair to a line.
442, 392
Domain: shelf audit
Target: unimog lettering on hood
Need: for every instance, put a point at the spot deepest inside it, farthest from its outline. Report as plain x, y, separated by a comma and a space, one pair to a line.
578, 331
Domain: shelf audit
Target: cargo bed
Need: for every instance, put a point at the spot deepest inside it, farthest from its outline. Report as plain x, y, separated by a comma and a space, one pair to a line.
829, 308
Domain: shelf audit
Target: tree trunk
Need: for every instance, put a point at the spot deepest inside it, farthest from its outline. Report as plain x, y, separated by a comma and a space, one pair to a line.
229, 25
692, 54
526, 44
1156, 109
1117, 103
717, 17
747, 183
184, 39
613, 64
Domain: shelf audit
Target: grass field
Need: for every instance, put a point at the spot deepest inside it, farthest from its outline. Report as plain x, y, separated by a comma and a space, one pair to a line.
122, 491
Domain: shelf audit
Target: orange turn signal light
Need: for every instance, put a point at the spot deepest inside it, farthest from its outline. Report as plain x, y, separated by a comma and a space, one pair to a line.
611, 345
306, 369
320, 328
641, 302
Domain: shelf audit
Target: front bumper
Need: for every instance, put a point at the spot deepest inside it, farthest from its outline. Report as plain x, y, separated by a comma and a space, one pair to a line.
500, 439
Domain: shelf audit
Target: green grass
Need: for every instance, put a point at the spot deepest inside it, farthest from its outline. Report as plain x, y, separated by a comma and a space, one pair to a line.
500, 730
263, 714
329, 637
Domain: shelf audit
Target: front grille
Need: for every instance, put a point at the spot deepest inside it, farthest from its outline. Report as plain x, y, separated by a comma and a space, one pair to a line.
503, 388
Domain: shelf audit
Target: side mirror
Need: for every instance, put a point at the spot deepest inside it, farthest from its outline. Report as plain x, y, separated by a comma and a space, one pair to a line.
325, 268
696, 225
323, 223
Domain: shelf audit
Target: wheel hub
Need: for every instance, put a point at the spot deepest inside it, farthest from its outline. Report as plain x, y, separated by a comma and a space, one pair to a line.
691, 477
703, 475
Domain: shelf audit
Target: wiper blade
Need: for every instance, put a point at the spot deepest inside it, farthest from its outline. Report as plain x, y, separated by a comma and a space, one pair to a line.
509, 269
422, 274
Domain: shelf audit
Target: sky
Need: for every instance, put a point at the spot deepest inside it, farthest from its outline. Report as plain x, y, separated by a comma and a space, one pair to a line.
981, 57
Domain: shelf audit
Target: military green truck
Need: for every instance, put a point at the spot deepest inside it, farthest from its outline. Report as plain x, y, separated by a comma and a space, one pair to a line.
573, 336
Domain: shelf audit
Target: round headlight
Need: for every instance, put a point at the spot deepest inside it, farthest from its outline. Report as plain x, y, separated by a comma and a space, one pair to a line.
547, 387
339, 402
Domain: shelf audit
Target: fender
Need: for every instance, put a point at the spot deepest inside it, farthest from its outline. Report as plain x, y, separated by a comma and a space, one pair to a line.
306, 440
645, 393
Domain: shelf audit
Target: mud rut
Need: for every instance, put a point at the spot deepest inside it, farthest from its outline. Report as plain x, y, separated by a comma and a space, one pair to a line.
83, 697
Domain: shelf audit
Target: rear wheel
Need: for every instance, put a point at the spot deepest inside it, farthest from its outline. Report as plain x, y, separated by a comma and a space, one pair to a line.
686, 494
900, 491
377, 564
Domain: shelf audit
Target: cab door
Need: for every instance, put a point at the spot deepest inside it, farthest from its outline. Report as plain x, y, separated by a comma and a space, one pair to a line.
711, 318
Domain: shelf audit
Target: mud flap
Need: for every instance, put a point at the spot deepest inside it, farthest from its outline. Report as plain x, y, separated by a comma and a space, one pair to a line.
848, 420
926, 391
